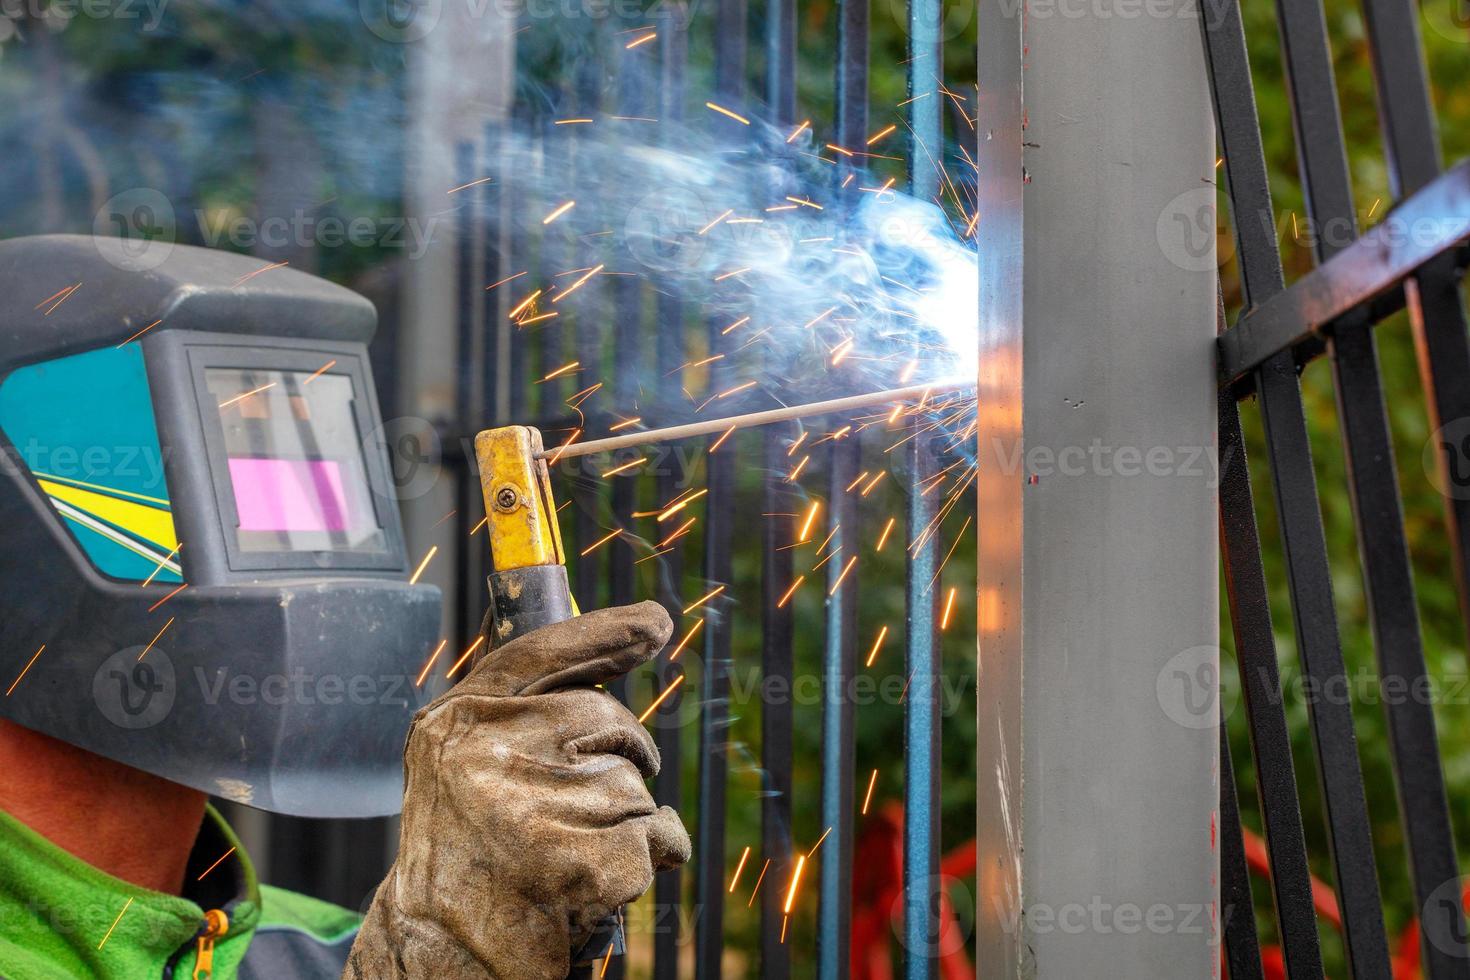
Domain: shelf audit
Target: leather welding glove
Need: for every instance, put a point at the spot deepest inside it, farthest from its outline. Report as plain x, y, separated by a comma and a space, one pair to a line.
525, 815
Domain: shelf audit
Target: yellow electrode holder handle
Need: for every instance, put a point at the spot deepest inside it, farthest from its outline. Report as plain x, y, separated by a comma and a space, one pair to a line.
528, 583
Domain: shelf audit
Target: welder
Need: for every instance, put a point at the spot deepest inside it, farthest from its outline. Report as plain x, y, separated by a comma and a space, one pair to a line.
193, 495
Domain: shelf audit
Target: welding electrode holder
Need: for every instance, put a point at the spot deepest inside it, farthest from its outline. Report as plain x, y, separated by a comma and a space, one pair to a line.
528, 585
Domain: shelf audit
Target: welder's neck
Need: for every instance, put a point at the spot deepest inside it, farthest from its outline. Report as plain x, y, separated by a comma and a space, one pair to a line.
128, 823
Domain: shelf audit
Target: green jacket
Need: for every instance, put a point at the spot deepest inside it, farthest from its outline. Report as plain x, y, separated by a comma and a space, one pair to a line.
62, 919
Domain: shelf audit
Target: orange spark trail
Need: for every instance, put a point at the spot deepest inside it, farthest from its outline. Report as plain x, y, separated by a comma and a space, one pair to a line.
721, 440
464, 656
419, 682
564, 369
251, 275
806, 525
759, 878
948, 608
703, 599
625, 467
698, 625
660, 699
716, 221
156, 638
600, 542
506, 280
168, 597
23, 670
115, 921
215, 864
417, 572
806, 124
140, 333
625, 423
680, 505
877, 645
558, 212
791, 478
735, 880
677, 533
791, 591
319, 372
737, 389
473, 183
576, 285
726, 112
159, 567
872, 782
524, 303
881, 134
244, 395
483, 521
642, 40
887, 529
795, 881
737, 323
845, 569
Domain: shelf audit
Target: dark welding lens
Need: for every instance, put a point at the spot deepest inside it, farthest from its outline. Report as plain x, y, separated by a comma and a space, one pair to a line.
294, 460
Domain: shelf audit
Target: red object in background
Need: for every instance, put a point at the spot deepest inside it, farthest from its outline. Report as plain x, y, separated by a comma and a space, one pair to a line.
877, 915
877, 896
1406, 960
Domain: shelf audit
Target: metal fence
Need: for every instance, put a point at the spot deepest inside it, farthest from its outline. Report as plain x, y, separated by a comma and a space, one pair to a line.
1413, 258
618, 326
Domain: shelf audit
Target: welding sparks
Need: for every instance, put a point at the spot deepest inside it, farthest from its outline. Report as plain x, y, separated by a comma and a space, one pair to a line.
558, 212
156, 638
624, 467
806, 524
660, 699
576, 285
726, 112
795, 882
507, 279
735, 879
251, 275
877, 645
140, 333
717, 221
703, 599
600, 542
246, 394
14, 683
737, 389
126, 906
166, 598
819, 317
948, 608
419, 682
524, 304
881, 134
805, 125
564, 369
791, 591
60, 296
887, 530
680, 504
842, 575
625, 423
791, 477
698, 625
868, 798
319, 372
641, 41
160, 566
721, 440
759, 878
454, 667
215, 864
473, 183
417, 572
677, 533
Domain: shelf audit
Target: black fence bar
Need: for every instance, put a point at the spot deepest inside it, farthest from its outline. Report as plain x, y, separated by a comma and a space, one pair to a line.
1242, 944
668, 887
1260, 684
777, 574
922, 885
1436, 310
1370, 270
1318, 642
1393, 609
709, 890
834, 908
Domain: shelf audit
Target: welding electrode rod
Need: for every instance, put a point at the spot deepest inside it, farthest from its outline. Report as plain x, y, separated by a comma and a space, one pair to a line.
711, 426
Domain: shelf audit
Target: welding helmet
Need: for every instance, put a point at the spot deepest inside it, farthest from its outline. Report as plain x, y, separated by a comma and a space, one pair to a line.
203, 567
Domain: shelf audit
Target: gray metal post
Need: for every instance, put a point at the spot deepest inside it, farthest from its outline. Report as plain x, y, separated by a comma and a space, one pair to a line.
1098, 566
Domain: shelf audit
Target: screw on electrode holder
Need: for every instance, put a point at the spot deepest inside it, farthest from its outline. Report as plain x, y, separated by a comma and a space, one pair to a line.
507, 499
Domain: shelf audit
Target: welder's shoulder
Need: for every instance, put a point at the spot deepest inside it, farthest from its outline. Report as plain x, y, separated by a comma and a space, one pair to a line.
299, 938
